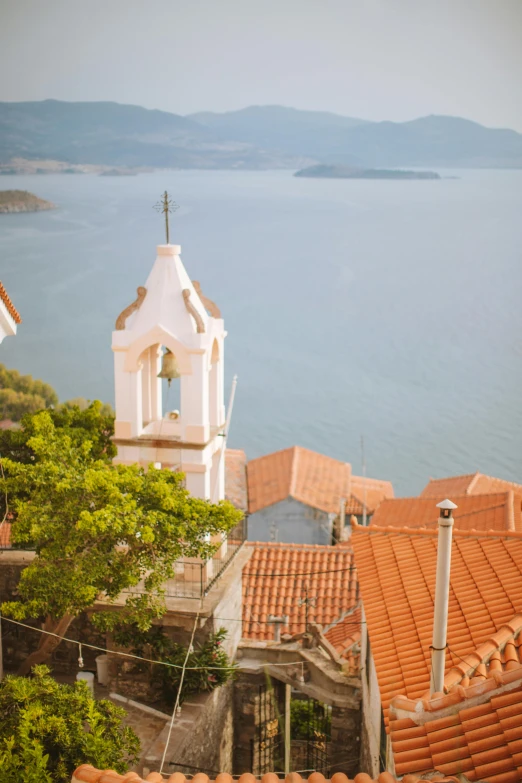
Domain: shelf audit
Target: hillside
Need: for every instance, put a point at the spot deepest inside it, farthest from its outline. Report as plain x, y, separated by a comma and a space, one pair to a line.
258, 137
22, 201
433, 141
119, 135
309, 133
330, 138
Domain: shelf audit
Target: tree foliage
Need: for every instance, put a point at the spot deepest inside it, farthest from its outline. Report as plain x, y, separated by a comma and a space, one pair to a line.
98, 529
48, 729
21, 394
208, 665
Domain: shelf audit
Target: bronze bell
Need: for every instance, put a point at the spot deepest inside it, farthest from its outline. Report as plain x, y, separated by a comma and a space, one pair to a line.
169, 366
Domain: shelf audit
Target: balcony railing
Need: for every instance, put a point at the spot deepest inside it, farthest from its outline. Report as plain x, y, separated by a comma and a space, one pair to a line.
195, 578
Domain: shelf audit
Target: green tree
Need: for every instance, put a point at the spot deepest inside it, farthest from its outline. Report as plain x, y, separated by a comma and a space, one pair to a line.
20, 394
98, 529
48, 729
208, 665
83, 404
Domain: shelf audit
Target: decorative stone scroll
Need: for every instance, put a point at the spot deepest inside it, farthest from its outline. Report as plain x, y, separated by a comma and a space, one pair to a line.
200, 326
122, 318
208, 304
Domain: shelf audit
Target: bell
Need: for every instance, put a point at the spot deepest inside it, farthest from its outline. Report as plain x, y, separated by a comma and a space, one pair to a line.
169, 366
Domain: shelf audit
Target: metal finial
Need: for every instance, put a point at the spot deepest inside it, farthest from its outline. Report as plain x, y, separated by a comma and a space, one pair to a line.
166, 206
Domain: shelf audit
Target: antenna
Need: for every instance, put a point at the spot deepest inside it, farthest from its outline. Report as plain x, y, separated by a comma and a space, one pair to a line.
363, 460
306, 602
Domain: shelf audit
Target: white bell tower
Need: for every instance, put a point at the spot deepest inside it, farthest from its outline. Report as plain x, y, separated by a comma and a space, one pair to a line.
171, 312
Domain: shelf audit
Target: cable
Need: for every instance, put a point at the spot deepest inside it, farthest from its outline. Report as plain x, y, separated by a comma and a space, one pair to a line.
136, 657
178, 695
305, 573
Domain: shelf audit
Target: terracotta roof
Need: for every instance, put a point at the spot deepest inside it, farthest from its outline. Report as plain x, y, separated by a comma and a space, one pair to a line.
345, 637
313, 479
11, 309
476, 727
396, 571
235, 478
277, 576
470, 484
482, 740
369, 492
88, 774
5, 535
495, 511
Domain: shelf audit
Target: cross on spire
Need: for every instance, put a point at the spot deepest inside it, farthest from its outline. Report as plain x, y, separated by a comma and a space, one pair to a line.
166, 206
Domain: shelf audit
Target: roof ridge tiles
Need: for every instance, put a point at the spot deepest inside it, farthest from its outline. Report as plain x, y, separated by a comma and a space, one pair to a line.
11, 309
423, 531
89, 774
460, 476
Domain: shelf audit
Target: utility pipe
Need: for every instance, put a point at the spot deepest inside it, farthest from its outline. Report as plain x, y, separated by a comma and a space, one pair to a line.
442, 586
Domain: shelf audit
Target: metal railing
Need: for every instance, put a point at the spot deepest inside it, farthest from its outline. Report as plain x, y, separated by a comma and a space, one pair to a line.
195, 578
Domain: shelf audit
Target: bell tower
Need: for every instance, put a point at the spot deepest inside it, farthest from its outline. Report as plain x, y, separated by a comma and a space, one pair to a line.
171, 331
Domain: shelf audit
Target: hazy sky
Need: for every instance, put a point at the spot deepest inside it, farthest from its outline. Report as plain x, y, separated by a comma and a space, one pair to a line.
376, 59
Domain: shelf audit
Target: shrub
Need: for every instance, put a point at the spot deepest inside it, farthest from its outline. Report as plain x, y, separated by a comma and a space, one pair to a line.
48, 729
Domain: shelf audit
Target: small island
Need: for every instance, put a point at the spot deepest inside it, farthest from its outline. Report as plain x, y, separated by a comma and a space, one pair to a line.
22, 201
349, 172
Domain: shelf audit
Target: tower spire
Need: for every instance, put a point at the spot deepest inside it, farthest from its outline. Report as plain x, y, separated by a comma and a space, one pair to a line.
167, 206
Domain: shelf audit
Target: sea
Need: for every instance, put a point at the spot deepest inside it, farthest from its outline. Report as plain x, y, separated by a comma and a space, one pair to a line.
387, 312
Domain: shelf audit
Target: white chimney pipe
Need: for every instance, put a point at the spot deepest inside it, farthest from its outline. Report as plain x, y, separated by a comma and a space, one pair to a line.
442, 585
277, 622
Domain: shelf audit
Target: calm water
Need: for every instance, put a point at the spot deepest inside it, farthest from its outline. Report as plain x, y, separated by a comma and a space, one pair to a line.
389, 309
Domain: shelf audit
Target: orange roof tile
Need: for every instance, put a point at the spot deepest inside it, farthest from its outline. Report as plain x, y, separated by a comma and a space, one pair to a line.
88, 774
5, 535
471, 484
235, 478
396, 571
477, 726
277, 576
369, 492
313, 479
495, 511
345, 636
11, 309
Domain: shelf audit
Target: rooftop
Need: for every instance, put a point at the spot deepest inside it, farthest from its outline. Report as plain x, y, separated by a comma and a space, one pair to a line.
88, 774
470, 484
493, 511
396, 571
314, 479
9, 306
278, 577
476, 726
235, 478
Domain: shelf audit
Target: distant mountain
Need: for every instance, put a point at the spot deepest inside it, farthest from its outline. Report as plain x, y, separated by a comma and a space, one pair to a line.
432, 141
119, 135
309, 133
330, 138
258, 137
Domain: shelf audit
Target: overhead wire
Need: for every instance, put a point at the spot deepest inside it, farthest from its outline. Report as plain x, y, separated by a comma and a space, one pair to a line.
178, 695
131, 655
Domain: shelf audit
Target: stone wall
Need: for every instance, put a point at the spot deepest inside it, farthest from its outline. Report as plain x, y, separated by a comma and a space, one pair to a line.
209, 743
345, 742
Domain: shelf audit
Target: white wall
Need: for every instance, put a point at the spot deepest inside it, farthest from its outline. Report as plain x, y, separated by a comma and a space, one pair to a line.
293, 522
371, 709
